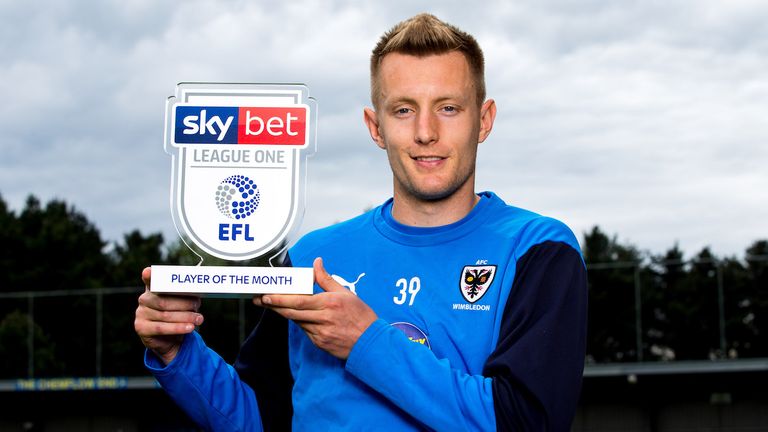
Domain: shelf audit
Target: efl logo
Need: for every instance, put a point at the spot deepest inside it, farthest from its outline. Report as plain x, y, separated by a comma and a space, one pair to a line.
241, 125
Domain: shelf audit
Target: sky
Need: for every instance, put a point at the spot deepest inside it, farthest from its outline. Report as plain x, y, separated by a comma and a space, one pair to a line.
648, 119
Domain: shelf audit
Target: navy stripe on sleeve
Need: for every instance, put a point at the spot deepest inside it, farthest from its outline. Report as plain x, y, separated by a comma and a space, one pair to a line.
539, 358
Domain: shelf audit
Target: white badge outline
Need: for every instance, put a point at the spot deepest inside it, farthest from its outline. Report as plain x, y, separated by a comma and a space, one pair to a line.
189, 93
487, 285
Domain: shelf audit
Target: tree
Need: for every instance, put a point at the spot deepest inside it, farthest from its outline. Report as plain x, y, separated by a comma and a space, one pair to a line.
14, 347
10, 244
56, 247
136, 252
754, 304
611, 329
738, 307
59, 249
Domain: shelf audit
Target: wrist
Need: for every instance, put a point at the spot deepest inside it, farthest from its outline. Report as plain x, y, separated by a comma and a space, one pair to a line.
167, 353
160, 360
168, 356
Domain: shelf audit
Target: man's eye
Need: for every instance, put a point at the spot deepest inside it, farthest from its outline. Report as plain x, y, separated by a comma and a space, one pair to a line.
402, 111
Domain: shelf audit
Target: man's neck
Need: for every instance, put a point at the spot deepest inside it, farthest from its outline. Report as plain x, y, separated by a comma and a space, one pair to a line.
421, 213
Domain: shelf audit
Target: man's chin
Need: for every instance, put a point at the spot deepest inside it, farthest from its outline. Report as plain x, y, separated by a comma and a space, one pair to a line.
434, 195
433, 191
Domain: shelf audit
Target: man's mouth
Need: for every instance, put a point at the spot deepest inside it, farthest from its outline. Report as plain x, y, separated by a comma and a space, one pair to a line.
428, 162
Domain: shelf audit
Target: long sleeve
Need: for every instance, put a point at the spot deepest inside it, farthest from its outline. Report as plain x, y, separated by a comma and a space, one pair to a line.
538, 363
532, 379
207, 388
428, 388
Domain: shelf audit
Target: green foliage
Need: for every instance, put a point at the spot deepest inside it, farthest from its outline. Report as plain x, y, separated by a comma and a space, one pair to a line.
752, 301
55, 247
14, 347
610, 326
10, 242
51, 247
122, 352
682, 302
136, 252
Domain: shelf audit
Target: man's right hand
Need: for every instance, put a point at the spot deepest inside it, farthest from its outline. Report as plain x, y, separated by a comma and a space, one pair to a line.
163, 320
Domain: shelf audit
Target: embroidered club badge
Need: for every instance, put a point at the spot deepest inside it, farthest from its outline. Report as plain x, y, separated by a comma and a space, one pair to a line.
475, 281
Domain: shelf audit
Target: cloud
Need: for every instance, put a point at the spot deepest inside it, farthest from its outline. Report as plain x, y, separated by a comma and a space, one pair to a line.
648, 132
644, 117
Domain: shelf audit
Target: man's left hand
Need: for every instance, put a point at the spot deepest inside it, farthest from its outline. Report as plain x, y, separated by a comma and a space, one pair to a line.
333, 319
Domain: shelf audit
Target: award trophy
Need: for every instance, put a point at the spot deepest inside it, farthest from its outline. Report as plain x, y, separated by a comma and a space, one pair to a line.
237, 191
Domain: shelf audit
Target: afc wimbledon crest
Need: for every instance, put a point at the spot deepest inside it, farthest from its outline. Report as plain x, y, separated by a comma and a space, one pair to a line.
475, 281
239, 154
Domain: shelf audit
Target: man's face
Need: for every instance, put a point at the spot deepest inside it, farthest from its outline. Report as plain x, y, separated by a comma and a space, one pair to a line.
429, 122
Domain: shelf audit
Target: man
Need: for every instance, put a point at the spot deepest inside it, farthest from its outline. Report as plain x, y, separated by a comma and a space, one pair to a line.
468, 314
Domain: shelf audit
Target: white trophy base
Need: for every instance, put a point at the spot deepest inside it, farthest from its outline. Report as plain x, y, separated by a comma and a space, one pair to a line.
215, 281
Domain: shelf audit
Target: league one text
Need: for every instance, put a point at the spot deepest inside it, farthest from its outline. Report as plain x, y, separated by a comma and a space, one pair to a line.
237, 192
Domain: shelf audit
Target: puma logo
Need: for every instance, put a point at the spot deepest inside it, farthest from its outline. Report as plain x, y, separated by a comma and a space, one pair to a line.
349, 285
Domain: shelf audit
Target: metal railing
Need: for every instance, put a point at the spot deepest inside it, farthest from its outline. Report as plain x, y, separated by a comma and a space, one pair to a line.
98, 340
649, 276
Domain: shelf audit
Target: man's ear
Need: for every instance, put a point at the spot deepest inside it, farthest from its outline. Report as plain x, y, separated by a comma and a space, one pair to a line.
487, 116
372, 122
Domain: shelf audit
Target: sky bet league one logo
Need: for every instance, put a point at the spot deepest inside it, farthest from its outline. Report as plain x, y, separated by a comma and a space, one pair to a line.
239, 156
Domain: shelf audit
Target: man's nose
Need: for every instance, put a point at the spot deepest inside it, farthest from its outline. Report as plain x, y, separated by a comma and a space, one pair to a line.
426, 128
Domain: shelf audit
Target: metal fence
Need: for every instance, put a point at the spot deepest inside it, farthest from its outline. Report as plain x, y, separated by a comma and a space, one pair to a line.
664, 310
89, 332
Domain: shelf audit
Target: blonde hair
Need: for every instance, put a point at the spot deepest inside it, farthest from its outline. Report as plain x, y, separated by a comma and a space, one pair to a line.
424, 35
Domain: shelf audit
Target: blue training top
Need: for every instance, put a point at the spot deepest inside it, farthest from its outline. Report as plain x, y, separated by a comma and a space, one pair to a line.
481, 326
